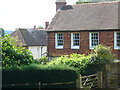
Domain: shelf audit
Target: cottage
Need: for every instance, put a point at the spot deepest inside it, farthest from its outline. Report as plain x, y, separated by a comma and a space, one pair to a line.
32, 39
79, 28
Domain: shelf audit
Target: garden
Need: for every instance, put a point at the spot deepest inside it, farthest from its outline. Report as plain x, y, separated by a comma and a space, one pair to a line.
21, 70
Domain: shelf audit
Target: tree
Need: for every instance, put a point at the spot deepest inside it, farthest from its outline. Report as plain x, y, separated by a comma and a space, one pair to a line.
82, 1
2, 32
13, 55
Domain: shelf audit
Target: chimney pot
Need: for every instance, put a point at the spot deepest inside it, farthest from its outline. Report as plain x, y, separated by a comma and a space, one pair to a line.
60, 3
34, 26
46, 25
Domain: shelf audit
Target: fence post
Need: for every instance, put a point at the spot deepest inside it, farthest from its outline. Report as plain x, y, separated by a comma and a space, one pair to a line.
39, 84
105, 78
80, 81
99, 78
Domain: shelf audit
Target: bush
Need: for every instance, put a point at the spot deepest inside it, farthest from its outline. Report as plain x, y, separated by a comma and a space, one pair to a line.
100, 56
43, 60
77, 61
89, 64
104, 53
33, 74
13, 55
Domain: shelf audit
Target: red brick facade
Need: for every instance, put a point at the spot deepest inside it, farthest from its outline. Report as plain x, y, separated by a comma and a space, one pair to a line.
105, 38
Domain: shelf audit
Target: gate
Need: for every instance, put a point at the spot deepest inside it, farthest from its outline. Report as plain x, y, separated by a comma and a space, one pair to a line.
90, 81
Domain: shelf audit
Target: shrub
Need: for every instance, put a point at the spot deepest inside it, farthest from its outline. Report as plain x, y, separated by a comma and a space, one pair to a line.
32, 74
77, 61
88, 64
43, 60
100, 56
13, 55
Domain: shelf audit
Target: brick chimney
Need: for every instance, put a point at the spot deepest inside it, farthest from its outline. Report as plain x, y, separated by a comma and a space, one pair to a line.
60, 3
46, 25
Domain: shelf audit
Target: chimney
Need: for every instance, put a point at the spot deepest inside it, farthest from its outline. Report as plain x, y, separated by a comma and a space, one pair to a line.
60, 3
34, 27
46, 25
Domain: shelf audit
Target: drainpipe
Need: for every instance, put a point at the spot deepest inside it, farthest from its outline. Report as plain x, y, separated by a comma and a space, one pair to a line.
41, 50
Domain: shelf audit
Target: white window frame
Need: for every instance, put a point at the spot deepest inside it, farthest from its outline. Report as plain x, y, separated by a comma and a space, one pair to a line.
72, 42
56, 41
115, 41
90, 40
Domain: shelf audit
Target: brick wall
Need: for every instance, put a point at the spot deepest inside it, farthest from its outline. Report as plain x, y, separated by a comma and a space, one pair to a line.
105, 38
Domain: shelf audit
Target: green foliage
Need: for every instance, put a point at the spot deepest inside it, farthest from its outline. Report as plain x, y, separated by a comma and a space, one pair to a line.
83, 2
88, 64
32, 74
104, 53
2, 32
77, 61
13, 55
101, 56
43, 60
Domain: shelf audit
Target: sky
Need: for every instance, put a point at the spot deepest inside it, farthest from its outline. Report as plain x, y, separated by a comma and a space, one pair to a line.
27, 13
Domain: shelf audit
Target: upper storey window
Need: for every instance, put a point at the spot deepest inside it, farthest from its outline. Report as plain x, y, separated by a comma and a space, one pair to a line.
59, 37
116, 40
75, 40
94, 39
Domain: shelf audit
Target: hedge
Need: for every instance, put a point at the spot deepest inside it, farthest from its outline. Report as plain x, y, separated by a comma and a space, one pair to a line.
32, 74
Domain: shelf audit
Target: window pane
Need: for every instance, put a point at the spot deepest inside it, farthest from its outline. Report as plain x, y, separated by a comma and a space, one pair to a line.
94, 39
118, 38
59, 39
118, 42
76, 39
118, 35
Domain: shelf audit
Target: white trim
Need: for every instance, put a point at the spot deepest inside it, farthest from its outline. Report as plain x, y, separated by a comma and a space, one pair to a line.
56, 43
115, 41
72, 46
90, 40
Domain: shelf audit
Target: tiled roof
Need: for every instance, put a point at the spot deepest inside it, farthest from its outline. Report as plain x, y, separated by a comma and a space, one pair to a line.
92, 16
31, 37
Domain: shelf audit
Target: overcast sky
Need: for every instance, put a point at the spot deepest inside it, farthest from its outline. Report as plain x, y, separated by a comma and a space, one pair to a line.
27, 13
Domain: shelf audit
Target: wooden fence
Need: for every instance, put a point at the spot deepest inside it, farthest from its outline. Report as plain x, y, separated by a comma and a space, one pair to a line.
113, 80
99, 80
90, 81
112, 75
38, 85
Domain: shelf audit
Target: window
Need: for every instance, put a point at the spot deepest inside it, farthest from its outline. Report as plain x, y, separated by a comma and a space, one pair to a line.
94, 39
75, 40
59, 40
116, 40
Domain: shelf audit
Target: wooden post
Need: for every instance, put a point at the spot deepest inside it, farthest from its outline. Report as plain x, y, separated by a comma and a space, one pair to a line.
105, 78
39, 84
99, 78
80, 81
